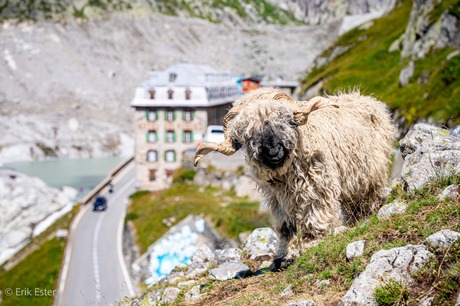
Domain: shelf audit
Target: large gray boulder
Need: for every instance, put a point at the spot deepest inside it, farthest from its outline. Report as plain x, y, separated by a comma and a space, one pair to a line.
429, 152
397, 263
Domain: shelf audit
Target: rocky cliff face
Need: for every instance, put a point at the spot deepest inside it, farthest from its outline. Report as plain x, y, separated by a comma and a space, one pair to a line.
27, 208
321, 12
425, 32
218, 11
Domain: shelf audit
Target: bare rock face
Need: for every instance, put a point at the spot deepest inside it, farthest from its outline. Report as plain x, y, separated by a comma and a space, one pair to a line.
421, 35
396, 263
429, 152
27, 208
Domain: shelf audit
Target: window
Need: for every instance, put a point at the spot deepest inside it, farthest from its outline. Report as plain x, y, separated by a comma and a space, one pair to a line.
152, 136
152, 174
172, 77
187, 137
188, 94
151, 115
170, 115
152, 94
170, 136
170, 156
170, 94
152, 156
188, 116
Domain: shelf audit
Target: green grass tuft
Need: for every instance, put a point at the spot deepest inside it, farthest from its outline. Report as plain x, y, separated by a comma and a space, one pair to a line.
392, 293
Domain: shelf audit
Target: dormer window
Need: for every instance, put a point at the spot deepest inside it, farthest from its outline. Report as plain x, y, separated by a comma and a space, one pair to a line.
172, 77
188, 94
170, 94
152, 94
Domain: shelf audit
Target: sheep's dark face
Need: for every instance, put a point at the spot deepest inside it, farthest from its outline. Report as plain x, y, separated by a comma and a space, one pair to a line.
266, 131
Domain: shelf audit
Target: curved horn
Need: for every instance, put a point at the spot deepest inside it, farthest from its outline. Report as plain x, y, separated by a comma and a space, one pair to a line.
301, 115
207, 147
225, 148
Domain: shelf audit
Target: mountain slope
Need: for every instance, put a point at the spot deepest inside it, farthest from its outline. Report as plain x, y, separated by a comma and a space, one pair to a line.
411, 63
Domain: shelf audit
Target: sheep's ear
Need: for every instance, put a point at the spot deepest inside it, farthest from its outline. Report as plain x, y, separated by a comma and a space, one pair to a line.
301, 115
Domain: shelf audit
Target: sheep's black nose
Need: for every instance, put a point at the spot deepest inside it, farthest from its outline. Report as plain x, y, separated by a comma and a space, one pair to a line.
272, 150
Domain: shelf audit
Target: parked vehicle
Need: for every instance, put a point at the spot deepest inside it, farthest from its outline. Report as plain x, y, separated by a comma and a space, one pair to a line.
215, 133
100, 204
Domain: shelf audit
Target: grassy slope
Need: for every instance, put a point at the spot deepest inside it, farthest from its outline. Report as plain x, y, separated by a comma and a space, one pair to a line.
326, 261
371, 67
38, 269
229, 213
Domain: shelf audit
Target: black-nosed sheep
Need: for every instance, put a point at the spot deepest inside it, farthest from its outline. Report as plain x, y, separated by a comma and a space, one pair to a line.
318, 163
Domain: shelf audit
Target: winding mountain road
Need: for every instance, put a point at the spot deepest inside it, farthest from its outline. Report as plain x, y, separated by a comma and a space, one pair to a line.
94, 272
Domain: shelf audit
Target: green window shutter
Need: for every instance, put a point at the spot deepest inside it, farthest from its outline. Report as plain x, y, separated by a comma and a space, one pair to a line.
183, 136
165, 136
166, 114
174, 136
147, 114
157, 114
193, 114
147, 136
191, 136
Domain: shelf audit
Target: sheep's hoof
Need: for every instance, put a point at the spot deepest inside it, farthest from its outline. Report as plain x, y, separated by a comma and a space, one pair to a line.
281, 263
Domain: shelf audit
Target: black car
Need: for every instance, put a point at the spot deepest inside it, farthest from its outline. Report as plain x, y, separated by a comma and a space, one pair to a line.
100, 204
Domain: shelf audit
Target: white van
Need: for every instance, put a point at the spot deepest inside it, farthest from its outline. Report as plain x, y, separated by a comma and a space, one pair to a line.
215, 133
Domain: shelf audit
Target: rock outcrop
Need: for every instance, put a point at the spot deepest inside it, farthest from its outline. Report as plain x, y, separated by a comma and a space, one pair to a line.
429, 152
397, 264
27, 208
423, 33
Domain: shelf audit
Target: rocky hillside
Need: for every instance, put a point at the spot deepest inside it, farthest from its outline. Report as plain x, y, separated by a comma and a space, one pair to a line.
227, 11
409, 58
406, 254
28, 207
71, 67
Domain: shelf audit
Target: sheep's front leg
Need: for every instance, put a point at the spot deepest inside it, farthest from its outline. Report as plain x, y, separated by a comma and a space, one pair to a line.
286, 232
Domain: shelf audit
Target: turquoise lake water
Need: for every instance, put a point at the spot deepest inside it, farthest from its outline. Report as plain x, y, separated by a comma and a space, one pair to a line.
81, 174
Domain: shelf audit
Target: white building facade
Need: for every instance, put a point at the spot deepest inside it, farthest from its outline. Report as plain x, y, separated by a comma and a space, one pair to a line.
172, 110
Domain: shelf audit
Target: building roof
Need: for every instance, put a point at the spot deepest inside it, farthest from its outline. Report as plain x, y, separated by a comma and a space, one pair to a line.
209, 87
187, 74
